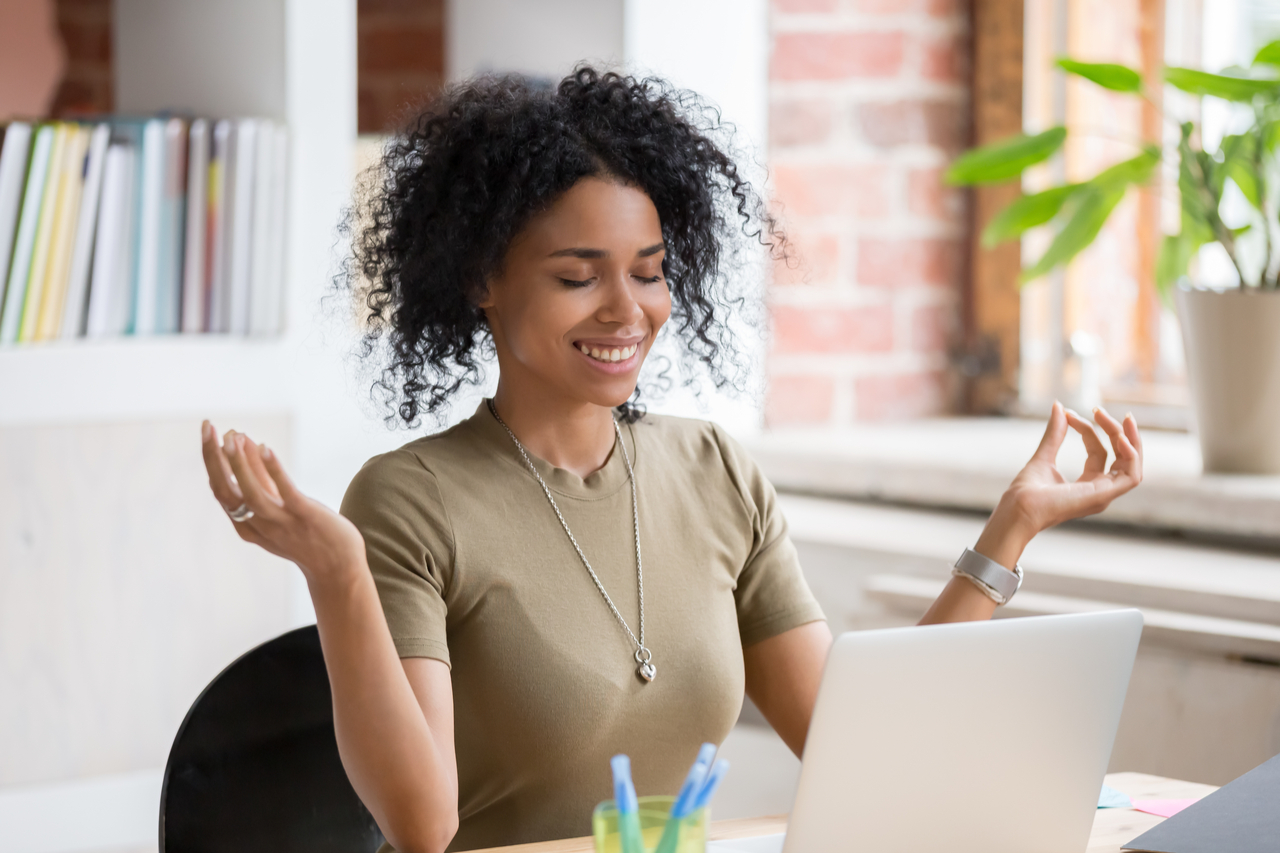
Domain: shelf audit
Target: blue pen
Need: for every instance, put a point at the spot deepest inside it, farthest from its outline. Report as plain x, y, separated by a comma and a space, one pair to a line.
624, 796
709, 786
684, 800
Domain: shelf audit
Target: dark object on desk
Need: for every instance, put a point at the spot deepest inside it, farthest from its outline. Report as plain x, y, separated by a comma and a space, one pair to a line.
1240, 817
254, 767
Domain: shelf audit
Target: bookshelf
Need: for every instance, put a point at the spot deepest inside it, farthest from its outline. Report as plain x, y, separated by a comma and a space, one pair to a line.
289, 60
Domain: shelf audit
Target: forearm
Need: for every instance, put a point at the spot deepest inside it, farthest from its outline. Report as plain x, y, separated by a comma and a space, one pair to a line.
396, 763
1003, 539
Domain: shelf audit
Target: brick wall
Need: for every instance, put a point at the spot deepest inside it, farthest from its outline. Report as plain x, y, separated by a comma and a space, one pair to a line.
868, 103
401, 58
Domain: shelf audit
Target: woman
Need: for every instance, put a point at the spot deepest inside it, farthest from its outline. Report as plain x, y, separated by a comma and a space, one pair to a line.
504, 605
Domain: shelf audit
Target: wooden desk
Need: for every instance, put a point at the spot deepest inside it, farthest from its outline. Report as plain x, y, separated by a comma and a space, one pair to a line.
1111, 828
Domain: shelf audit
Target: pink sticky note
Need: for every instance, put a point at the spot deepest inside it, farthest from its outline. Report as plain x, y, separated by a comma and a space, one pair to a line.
1163, 808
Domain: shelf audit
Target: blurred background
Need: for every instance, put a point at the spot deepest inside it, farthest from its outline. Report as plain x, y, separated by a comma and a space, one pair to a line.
899, 383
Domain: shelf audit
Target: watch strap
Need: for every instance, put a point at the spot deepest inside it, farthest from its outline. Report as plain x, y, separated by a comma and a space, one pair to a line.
994, 580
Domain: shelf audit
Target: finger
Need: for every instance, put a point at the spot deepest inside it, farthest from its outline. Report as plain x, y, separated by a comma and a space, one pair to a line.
1131, 432
1096, 463
254, 456
1125, 451
288, 491
254, 496
1054, 432
215, 463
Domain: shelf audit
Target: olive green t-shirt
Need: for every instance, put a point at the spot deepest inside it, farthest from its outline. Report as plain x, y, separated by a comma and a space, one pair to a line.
474, 569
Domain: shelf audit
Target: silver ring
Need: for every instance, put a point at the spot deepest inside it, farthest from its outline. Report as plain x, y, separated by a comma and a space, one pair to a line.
240, 513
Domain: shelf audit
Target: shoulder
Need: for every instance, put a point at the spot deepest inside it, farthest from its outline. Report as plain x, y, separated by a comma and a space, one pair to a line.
693, 443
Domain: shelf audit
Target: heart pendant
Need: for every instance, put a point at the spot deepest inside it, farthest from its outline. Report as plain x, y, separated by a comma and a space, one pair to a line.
646, 671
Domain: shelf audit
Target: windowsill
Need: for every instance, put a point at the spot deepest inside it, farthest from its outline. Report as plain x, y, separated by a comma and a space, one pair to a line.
966, 463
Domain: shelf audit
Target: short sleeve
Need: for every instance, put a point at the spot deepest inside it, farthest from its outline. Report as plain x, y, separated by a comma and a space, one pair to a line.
395, 503
772, 595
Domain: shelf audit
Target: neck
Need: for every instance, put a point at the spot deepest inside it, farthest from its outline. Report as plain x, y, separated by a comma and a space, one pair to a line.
575, 436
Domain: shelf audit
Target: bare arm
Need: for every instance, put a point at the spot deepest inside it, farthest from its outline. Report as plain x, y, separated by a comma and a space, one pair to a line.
393, 718
783, 672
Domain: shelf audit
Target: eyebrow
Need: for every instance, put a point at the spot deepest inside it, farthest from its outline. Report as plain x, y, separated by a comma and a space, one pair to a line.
594, 254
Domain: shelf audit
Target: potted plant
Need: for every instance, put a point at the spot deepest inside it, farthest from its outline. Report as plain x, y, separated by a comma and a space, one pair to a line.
1231, 336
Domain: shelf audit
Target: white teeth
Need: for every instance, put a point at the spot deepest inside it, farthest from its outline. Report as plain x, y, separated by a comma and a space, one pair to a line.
609, 355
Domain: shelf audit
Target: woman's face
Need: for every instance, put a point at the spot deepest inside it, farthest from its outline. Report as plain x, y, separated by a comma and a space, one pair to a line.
581, 295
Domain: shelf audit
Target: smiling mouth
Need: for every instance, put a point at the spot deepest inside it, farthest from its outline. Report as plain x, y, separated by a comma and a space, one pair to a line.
608, 354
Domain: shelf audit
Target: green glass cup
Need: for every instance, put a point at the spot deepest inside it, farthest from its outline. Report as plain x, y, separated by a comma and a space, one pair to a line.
653, 820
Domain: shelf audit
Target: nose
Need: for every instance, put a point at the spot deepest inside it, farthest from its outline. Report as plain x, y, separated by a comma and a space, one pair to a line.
618, 302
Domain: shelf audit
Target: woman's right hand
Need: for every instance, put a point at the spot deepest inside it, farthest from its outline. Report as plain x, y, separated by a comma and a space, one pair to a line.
285, 522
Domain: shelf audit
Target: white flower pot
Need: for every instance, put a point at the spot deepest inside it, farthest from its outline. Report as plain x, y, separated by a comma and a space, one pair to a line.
1232, 342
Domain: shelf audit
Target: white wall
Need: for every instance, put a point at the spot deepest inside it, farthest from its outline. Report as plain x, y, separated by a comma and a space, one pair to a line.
540, 38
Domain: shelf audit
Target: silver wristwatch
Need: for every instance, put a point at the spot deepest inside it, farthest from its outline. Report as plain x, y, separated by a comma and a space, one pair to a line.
994, 580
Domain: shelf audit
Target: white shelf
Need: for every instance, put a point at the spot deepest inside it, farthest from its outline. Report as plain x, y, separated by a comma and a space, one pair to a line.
133, 378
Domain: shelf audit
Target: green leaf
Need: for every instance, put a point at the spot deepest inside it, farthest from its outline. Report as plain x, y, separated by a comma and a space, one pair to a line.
1176, 252
1026, 213
1242, 164
1117, 78
1136, 170
1219, 86
1268, 55
1003, 160
1080, 230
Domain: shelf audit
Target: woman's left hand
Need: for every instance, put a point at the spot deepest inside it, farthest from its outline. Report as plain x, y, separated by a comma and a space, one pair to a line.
1040, 497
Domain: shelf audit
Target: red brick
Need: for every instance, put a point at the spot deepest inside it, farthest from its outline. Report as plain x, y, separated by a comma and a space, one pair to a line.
944, 59
893, 263
824, 190
812, 259
793, 400
90, 43
793, 6
407, 48
926, 122
929, 197
836, 56
796, 123
400, 11
822, 329
931, 328
936, 8
898, 396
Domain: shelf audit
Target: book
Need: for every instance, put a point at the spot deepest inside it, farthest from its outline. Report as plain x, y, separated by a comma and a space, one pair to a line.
44, 233
110, 294
240, 222
194, 268
70, 192
260, 289
24, 242
273, 322
13, 173
76, 302
220, 166
173, 204
146, 282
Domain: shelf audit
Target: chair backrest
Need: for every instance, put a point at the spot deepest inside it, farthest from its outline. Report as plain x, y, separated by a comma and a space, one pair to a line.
254, 766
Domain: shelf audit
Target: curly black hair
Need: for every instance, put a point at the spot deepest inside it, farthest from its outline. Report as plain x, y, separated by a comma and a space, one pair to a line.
452, 190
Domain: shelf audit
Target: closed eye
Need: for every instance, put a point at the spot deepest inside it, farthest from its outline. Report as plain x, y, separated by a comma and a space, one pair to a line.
569, 282
649, 279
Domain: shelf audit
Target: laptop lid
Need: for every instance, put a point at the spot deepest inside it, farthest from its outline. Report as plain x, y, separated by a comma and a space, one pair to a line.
974, 737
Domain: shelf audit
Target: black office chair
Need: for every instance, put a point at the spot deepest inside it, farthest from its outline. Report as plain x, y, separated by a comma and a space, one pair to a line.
254, 767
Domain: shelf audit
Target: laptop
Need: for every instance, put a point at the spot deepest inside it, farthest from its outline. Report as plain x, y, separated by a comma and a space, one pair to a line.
973, 737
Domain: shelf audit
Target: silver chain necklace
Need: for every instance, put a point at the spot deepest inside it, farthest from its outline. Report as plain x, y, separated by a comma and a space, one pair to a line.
644, 658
